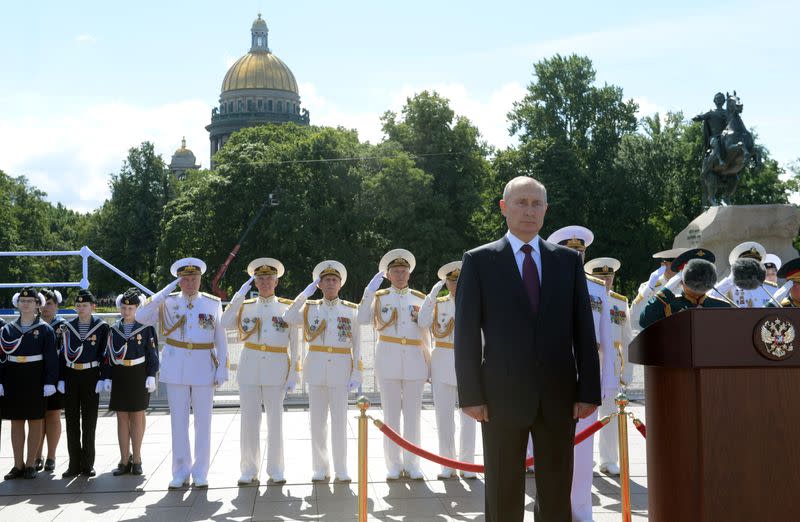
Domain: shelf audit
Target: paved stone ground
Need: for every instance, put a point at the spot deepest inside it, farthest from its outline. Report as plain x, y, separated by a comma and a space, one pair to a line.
109, 498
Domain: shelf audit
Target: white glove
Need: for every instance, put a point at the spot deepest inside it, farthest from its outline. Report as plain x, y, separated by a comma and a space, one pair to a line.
375, 282
310, 289
291, 383
60, 387
170, 287
99, 387
246, 286
150, 384
221, 375
49, 390
436, 289
107, 385
655, 275
354, 384
674, 283
2, 391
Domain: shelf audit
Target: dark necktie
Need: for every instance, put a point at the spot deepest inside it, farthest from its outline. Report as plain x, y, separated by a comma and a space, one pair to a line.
530, 278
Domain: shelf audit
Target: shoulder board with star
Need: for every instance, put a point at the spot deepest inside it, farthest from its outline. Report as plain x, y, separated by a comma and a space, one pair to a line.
418, 294
382, 292
283, 300
248, 301
770, 283
348, 303
618, 296
595, 280
211, 296
442, 299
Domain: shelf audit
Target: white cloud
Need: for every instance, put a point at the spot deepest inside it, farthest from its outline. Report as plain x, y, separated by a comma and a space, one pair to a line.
85, 39
71, 155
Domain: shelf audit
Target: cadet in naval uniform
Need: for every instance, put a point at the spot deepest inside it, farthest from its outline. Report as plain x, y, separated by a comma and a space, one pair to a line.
657, 281
605, 268
757, 298
268, 367
438, 314
132, 355
580, 238
332, 365
791, 272
698, 276
402, 355
81, 380
194, 360
772, 264
28, 375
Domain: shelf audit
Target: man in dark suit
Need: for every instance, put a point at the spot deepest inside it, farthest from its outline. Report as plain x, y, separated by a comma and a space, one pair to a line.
537, 370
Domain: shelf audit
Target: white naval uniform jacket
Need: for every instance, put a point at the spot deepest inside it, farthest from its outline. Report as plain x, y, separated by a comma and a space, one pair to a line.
394, 313
598, 298
759, 297
270, 348
643, 296
193, 323
332, 327
439, 315
621, 336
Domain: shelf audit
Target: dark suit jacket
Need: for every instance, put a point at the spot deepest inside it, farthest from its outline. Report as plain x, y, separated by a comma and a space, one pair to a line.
549, 359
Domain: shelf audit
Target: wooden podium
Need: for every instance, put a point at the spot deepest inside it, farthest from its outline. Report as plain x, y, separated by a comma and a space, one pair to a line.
723, 415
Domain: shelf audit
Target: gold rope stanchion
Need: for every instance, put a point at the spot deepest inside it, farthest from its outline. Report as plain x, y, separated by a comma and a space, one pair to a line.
624, 465
361, 508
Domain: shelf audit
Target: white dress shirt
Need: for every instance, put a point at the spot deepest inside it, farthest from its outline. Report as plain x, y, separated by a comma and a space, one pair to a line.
516, 246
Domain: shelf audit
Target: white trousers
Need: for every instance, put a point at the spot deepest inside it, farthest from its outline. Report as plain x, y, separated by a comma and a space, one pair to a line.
321, 400
608, 439
252, 397
582, 473
445, 399
201, 399
401, 396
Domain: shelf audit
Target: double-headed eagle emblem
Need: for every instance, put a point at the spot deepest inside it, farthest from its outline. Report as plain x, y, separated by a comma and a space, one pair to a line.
778, 337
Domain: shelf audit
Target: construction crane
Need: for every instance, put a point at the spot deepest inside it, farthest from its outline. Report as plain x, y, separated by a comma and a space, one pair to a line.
271, 201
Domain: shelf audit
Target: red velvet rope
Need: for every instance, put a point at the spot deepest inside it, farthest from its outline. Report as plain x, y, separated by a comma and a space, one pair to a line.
465, 466
640, 427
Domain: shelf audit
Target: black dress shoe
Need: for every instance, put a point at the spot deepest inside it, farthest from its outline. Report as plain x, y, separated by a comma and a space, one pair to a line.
39, 464
71, 472
50, 465
29, 473
122, 469
88, 472
15, 473
136, 468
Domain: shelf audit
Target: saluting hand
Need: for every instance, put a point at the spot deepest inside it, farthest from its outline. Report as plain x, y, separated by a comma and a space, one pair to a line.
436, 289
581, 410
246, 286
375, 282
310, 289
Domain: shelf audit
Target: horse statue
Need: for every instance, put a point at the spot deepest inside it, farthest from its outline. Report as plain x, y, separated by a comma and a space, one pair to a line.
727, 152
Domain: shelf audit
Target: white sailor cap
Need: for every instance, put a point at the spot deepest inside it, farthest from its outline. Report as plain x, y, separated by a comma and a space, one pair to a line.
450, 271
772, 259
330, 267
669, 255
748, 249
265, 266
602, 266
188, 266
397, 257
574, 236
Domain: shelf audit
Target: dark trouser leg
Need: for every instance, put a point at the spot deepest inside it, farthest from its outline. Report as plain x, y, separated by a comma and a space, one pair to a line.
72, 414
553, 441
504, 457
90, 402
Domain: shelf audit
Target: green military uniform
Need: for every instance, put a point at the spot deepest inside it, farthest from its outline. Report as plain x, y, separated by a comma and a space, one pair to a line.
665, 303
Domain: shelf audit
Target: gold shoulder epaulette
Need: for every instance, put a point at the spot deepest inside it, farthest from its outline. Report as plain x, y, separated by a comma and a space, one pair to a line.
382, 292
248, 301
442, 299
211, 296
770, 283
418, 294
618, 296
595, 280
786, 302
283, 300
348, 303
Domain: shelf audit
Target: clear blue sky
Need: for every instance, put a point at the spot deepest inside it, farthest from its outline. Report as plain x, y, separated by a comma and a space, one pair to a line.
83, 81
